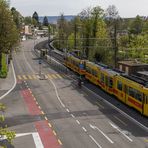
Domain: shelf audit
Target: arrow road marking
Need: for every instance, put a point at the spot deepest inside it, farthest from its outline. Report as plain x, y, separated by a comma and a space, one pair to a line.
94, 127
115, 127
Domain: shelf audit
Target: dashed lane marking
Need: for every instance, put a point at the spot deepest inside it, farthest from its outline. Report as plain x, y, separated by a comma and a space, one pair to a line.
46, 118
78, 121
42, 112
59, 141
72, 116
54, 133
67, 110
49, 125
84, 129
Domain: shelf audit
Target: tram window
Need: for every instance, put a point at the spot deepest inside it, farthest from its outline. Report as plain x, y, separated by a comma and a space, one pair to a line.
146, 99
110, 82
102, 78
119, 85
131, 92
138, 96
88, 69
94, 73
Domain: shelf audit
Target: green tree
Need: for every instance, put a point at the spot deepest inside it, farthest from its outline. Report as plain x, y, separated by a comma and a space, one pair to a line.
9, 35
28, 20
136, 26
17, 17
35, 17
113, 25
45, 21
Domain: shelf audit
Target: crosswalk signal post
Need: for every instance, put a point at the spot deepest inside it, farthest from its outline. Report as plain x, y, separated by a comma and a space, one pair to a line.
40, 67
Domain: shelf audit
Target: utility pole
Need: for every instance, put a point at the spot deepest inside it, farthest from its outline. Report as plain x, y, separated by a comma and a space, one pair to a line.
115, 43
75, 36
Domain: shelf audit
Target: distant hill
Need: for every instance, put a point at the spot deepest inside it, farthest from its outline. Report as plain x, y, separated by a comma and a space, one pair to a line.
53, 19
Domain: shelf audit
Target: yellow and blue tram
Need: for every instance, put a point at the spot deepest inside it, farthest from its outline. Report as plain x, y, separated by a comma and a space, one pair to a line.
129, 90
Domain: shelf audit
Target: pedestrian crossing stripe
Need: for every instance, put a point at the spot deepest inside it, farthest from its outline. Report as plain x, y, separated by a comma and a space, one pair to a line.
59, 76
49, 76
34, 77
29, 77
24, 77
54, 76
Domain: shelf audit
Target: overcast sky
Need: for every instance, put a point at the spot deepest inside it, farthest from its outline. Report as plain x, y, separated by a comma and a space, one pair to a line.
126, 8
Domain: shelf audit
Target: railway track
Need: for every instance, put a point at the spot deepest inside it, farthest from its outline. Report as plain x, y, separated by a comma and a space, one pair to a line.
95, 91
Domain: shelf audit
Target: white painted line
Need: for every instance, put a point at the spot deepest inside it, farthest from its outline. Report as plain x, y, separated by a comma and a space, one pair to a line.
84, 129
72, 116
57, 93
46, 118
78, 121
37, 140
120, 111
67, 110
95, 141
115, 127
95, 127
13, 84
23, 134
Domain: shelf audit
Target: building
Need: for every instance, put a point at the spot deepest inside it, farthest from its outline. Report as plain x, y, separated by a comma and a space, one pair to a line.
132, 67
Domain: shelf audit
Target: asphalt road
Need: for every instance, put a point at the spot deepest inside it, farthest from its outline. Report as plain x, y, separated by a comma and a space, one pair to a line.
76, 118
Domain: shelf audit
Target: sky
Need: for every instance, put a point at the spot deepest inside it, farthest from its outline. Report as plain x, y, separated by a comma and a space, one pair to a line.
126, 8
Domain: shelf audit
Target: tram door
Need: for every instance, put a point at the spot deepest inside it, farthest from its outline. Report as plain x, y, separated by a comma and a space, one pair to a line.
145, 105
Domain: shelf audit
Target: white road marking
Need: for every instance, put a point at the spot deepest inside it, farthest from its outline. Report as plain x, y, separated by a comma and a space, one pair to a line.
72, 116
95, 141
57, 93
115, 127
78, 121
13, 84
120, 111
37, 140
95, 127
84, 129
67, 110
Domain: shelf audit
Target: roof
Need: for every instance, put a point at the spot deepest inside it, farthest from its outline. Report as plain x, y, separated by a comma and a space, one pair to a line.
143, 73
132, 63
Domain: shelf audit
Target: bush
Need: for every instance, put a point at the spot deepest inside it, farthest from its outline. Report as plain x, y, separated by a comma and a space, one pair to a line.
4, 70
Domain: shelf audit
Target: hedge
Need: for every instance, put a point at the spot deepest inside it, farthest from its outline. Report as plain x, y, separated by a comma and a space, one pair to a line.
4, 70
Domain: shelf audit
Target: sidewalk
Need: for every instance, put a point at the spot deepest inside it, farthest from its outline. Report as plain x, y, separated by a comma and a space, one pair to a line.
7, 83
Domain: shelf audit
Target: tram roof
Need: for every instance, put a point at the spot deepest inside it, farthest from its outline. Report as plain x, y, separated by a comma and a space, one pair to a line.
137, 80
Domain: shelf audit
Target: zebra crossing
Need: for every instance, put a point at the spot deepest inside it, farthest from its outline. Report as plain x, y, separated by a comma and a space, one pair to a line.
35, 77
